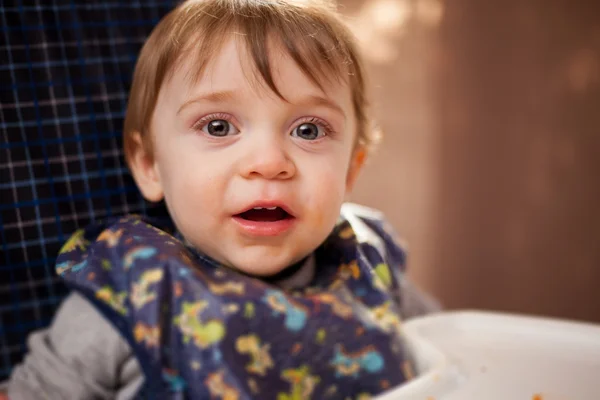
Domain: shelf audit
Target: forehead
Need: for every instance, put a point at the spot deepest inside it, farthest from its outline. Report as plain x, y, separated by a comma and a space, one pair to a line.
232, 69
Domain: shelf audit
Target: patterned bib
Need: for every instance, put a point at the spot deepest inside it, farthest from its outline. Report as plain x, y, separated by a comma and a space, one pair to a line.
201, 330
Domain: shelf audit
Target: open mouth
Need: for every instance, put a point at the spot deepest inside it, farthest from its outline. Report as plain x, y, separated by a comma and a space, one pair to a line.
264, 214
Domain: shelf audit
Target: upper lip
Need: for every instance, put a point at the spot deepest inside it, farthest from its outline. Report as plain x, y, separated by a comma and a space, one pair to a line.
267, 204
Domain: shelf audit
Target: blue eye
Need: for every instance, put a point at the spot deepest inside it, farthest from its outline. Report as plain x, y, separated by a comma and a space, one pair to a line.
308, 131
219, 128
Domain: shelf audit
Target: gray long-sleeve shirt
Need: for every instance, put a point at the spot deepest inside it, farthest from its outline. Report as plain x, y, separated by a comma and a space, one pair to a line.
82, 357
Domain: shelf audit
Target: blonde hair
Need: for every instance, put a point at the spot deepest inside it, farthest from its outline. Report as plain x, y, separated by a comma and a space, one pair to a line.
311, 32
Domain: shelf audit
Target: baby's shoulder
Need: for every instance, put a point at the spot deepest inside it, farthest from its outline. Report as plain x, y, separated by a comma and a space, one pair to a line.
372, 228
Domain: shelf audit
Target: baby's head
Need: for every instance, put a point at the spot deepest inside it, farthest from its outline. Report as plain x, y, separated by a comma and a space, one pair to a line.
248, 117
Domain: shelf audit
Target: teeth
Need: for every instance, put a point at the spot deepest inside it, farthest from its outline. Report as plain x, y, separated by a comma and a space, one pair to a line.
271, 208
258, 208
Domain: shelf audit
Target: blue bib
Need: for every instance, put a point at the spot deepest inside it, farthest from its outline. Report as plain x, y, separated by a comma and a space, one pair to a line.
201, 330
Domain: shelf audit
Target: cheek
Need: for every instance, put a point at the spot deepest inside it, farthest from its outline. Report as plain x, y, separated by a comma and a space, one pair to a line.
328, 193
189, 184
196, 189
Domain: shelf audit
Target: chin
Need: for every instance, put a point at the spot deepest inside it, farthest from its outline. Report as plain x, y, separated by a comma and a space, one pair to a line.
264, 265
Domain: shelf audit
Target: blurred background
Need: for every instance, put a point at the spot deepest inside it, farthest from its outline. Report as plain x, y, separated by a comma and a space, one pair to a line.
489, 168
490, 164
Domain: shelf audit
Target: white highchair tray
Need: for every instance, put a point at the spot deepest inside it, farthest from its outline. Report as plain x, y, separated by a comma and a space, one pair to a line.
487, 356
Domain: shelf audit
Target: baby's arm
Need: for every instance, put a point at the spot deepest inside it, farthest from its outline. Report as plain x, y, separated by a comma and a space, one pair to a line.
80, 356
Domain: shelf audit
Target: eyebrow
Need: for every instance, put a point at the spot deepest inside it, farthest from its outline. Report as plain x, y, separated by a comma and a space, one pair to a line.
321, 102
228, 95
214, 97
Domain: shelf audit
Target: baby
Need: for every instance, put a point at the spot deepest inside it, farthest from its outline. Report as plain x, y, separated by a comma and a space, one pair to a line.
249, 118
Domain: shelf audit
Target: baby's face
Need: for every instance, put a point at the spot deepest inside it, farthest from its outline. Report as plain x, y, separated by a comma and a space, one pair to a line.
249, 179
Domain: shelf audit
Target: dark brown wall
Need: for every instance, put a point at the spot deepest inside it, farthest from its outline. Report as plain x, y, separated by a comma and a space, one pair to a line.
519, 100
493, 135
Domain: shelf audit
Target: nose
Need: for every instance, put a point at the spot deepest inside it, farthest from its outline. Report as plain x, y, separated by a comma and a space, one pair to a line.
268, 160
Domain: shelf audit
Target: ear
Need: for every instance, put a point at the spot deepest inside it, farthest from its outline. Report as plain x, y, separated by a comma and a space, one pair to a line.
358, 159
144, 169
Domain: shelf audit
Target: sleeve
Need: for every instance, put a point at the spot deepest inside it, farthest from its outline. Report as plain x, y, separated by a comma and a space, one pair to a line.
80, 356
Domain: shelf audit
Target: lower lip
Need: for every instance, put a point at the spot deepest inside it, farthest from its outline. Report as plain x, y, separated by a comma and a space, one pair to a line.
263, 228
